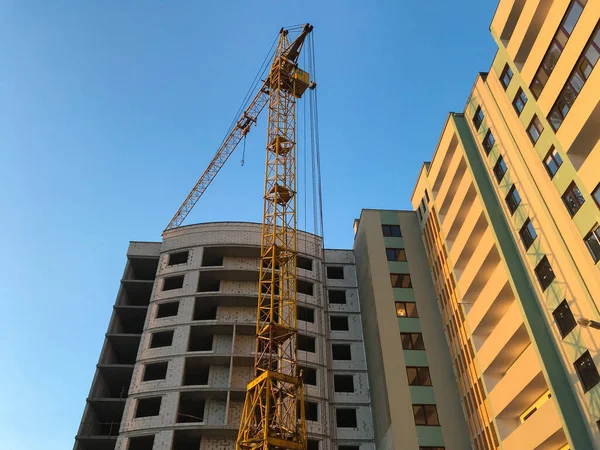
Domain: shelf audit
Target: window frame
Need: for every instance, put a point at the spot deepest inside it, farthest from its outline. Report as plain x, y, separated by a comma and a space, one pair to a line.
410, 312
412, 338
596, 195
526, 232
499, 165
546, 280
586, 357
552, 153
395, 277
421, 378
593, 233
398, 252
391, 230
425, 407
477, 120
535, 121
487, 146
562, 314
520, 98
570, 193
513, 205
504, 73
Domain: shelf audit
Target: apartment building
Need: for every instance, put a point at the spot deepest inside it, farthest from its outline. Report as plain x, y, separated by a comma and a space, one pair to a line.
509, 208
179, 350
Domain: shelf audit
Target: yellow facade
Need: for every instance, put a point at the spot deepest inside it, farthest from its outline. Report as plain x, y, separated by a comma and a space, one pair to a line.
533, 394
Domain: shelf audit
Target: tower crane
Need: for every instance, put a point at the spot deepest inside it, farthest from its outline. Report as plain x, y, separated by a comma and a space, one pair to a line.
273, 414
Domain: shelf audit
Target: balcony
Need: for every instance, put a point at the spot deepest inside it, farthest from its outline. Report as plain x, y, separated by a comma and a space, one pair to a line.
542, 431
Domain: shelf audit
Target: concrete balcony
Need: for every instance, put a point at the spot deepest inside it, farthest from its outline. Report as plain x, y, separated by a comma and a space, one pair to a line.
526, 30
462, 256
463, 233
439, 166
542, 431
491, 304
453, 175
505, 343
478, 268
505, 18
522, 384
460, 202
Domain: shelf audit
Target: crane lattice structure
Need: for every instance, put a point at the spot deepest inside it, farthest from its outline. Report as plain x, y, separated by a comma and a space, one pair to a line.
273, 413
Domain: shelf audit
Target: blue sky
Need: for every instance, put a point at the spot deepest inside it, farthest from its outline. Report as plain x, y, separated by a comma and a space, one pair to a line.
111, 110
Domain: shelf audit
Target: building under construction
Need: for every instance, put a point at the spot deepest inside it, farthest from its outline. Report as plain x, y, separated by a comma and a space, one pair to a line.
471, 321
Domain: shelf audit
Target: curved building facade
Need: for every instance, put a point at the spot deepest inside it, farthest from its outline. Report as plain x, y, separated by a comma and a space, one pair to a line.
195, 349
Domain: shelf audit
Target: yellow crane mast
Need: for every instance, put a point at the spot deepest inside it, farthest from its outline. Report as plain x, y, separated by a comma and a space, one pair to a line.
273, 413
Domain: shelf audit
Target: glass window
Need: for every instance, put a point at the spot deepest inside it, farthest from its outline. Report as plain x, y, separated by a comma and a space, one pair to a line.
406, 309
519, 101
572, 16
552, 161
488, 142
418, 376
592, 241
425, 415
395, 254
513, 199
478, 117
506, 76
527, 234
544, 273
596, 195
564, 318
500, 169
587, 371
534, 130
412, 341
391, 230
401, 280
573, 199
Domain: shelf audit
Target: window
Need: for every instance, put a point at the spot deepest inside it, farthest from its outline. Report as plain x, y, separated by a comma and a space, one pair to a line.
573, 199
564, 318
309, 375
312, 444
343, 383
171, 283
339, 323
592, 241
534, 130
311, 411
527, 233
204, 310
306, 314
500, 169
506, 76
596, 195
167, 309
200, 340
155, 371
207, 284
488, 142
191, 407
544, 273
306, 343
478, 117
395, 254
304, 263
302, 287
391, 230
335, 273
552, 162
401, 280
141, 442
425, 415
341, 352
426, 195
586, 369
418, 376
147, 407
196, 372
519, 101
412, 341
337, 297
161, 339
346, 418
587, 61
556, 47
178, 258
406, 309
513, 199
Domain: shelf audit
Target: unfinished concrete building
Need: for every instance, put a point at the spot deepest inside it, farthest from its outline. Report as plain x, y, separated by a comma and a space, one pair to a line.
179, 351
